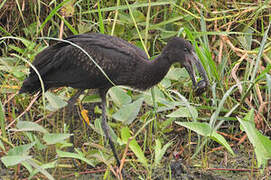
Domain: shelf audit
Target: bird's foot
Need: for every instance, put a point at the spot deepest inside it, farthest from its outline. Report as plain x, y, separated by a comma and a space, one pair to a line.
201, 87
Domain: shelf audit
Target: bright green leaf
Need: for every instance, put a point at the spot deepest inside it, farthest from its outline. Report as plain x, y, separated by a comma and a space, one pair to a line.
14, 159
94, 98
55, 102
119, 96
221, 140
42, 168
30, 126
159, 151
177, 73
129, 112
133, 145
184, 112
55, 138
21, 149
204, 129
260, 143
159, 96
75, 156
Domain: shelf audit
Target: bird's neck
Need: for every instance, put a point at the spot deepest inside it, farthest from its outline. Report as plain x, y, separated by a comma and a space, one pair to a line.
154, 71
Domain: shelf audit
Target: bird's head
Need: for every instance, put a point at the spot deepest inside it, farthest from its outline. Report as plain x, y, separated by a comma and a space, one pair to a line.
180, 50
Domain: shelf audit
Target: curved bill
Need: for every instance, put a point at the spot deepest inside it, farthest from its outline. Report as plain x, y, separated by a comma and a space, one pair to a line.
191, 59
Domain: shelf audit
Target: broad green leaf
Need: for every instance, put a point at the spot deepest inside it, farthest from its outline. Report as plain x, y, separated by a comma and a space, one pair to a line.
263, 151
21, 149
177, 73
94, 98
15, 48
55, 102
184, 112
34, 138
119, 96
74, 155
221, 140
12, 160
159, 96
260, 143
159, 151
166, 83
17, 74
166, 123
139, 16
98, 128
30, 126
129, 112
29, 44
204, 129
133, 145
55, 138
42, 168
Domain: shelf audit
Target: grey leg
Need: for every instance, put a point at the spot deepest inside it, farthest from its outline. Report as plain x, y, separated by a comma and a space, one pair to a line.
106, 127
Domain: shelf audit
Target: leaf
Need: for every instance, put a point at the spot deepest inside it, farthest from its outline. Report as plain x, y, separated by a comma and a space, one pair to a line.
21, 149
55, 102
139, 16
159, 151
133, 145
129, 112
54, 138
98, 129
14, 159
177, 73
260, 142
184, 112
75, 156
166, 83
84, 114
2, 121
30, 126
42, 168
204, 129
94, 98
29, 44
159, 96
119, 96
18, 74
221, 140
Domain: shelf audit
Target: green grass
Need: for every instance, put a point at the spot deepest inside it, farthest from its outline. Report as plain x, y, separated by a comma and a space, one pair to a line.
232, 39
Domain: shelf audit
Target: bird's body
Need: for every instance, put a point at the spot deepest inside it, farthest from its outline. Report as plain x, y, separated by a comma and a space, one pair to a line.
65, 65
125, 64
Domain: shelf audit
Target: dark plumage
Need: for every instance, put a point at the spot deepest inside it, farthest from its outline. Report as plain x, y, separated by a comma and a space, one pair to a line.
125, 64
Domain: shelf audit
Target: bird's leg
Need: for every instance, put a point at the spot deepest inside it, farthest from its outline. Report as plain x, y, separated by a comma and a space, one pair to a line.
106, 127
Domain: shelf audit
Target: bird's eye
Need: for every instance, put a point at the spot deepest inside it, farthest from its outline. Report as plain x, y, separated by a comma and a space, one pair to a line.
185, 49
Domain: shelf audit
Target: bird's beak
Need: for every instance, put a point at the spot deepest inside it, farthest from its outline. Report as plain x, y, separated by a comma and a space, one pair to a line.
191, 59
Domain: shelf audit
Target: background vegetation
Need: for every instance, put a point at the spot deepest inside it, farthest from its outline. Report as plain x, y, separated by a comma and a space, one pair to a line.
222, 134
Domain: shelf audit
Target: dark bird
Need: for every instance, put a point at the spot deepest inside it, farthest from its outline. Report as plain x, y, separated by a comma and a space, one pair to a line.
63, 64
